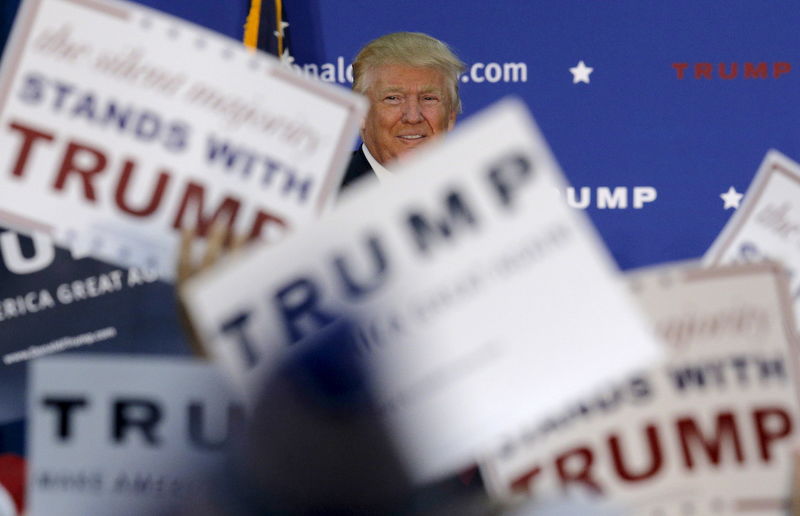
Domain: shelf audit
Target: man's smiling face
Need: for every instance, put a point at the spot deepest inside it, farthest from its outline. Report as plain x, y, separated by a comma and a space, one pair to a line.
409, 106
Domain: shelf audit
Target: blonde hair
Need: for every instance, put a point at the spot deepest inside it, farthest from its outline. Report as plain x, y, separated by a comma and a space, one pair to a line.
413, 49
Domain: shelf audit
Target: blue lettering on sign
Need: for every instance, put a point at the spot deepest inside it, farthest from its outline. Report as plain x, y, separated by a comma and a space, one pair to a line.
270, 172
144, 125
306, 303
739, 370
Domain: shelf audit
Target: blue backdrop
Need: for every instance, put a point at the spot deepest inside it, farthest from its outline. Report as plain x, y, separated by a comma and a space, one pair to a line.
635, 123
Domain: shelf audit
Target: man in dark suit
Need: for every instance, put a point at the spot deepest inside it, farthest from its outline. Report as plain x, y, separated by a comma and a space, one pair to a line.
411, 81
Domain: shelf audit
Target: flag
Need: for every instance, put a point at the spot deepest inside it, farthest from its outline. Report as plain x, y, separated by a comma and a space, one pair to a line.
267, 29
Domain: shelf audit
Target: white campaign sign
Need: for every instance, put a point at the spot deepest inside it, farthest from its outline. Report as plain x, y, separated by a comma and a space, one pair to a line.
767, 225
709, 431
123, 435
483, 301
119, 125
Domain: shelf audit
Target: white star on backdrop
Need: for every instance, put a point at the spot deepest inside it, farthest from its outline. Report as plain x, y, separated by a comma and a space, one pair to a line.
580, 73
279, 33
732, 198
286, 58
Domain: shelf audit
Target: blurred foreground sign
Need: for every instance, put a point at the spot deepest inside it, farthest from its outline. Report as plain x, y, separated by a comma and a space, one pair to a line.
483, 301
120, 125
123, 435
710, 431
767, 224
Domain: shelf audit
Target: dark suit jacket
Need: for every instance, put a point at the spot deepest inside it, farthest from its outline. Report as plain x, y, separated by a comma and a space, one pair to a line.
359, 167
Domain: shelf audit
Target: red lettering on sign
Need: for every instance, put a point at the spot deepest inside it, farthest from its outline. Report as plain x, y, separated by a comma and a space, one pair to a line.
194, 194
729, 71
721, 444
82, 164
680, 68
702, 70
29, 136
758, 71
582, 475
654, 451
729, 75
70, 167
522, 483
155, 196
767, 433
262, 219
781, 68
725, 427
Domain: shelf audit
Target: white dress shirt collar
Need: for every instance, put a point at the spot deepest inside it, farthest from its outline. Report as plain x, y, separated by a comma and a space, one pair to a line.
381, 172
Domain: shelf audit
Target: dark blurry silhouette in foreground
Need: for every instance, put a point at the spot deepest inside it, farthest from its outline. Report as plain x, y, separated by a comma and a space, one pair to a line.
315, 444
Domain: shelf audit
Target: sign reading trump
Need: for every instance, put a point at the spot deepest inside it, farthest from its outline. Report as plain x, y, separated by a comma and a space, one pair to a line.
466, 274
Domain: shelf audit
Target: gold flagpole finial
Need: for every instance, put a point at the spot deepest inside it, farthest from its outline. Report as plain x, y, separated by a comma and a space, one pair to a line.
279, 25
252, 25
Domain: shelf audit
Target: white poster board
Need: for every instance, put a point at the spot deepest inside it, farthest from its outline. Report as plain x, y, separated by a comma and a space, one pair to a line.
483, 301
709, 431
119, 125
767, 224
124, 435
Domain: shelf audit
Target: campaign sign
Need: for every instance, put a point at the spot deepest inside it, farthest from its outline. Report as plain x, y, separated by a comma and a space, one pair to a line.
709, 431
54, 302
126, 435
767, 225
120, 125
483, 300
